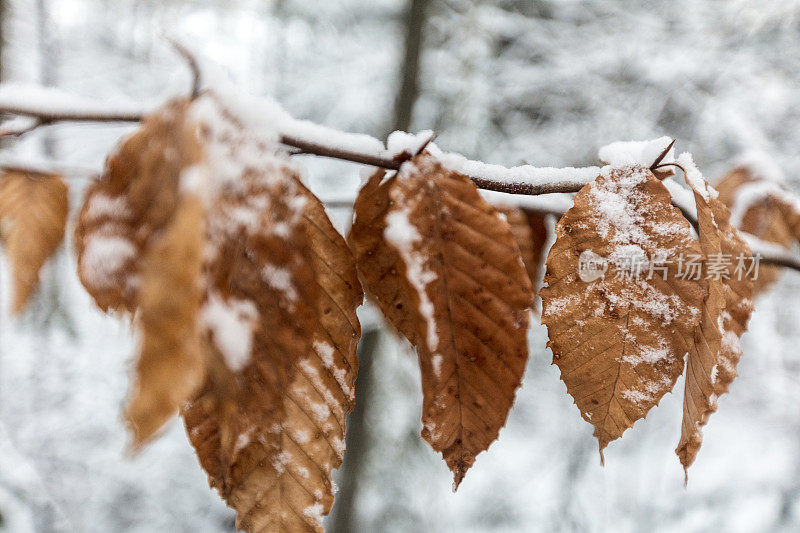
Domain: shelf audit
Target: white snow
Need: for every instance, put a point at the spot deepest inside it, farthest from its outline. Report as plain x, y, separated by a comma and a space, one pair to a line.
104, 257
279, 462
17, 125
436, 361
195, 179
402, 234
681, 197
400, 142
761, 165
321, 412
264, 113
325, 352
730, 340
231, 323
241, 441
695, 178
649, 354
280, 279
753, 193
637, 397
555, 179
338, 446
641, 153
26, 99
556, 306
314, 512
101, 205
617, 203
553, 203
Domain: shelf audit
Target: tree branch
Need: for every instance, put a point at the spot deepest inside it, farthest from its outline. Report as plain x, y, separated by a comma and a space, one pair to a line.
521, 180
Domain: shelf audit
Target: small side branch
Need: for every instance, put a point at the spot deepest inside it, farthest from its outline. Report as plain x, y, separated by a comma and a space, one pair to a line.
191, 60
308, 147
48, 116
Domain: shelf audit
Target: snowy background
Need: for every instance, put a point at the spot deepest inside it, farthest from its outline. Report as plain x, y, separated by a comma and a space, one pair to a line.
546, 82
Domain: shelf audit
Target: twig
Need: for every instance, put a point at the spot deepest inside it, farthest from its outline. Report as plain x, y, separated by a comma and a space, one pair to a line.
307, 147
19, 126
662, 155
190, 58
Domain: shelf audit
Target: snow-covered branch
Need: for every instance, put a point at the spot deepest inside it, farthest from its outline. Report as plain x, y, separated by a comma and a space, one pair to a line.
48, 105
534, 188
37, 106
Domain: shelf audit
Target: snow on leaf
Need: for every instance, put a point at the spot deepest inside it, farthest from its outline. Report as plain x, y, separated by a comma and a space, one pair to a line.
133, 200
756, 213
619, 339
170, 368
641, 153
715, 350
447, 273
269, 428
140, 239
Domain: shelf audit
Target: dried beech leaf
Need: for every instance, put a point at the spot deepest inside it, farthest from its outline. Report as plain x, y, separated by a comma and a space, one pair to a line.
337, 337
765, 220
715, 352
170, 368
790, 214
269, 425
446, 271
530, 233
134, 199
619, 338
33, 215
377, 262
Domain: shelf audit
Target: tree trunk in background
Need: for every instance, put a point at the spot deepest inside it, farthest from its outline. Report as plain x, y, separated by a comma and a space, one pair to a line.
409, 77
3, 23
343, 515
48, 60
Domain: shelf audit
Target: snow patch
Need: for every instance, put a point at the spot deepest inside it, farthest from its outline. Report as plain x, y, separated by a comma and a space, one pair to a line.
104, 257
436, 361
314, 513
280, 279
695, 178
640, 153
231, 323
402, 234
102, 205
519, 175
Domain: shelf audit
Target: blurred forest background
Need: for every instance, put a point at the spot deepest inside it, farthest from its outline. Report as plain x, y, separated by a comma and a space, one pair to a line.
546, 82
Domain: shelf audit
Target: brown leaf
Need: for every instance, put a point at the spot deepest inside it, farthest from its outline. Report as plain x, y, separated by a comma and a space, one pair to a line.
530, 233
170, 368
134, 199
447, 273
619, 339
377, 262
140, 247
33, 215
765, 220
715, 352
790, 215
269, 426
